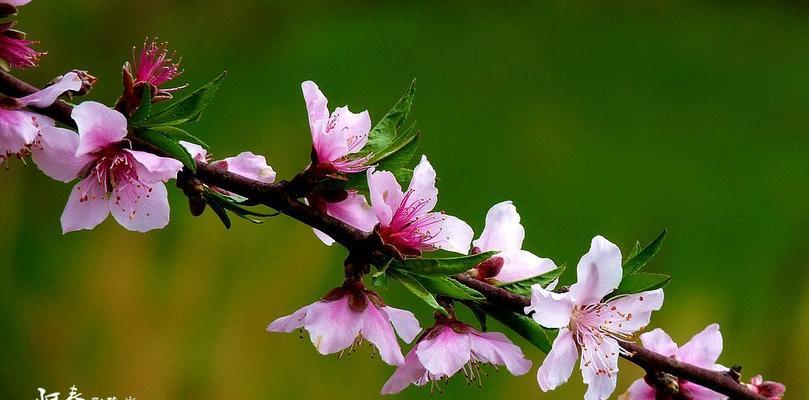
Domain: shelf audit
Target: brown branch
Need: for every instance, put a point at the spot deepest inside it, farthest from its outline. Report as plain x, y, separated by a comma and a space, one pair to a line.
282, 196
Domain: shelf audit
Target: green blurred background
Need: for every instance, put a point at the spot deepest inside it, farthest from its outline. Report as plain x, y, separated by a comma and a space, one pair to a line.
618, 120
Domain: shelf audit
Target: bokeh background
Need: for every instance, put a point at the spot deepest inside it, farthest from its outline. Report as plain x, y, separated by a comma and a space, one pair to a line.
618, 120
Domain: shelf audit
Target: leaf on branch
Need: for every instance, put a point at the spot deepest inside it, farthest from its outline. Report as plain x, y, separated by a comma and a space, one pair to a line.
444, 286
523, 287
523, 325
179, 134
641, 282
221, 202
187, 109
144, 109
639, 259
384, 134
441, 266
168, 144
416, 288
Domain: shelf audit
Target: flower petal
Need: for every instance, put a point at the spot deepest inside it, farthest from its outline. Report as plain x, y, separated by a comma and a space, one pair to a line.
355, 211
551, 310
704, 348
47, 96
639, 390
55, 154
332, 325
86, 207
495, 348
640, 307
377, 329
290, 322
659, 342
153, 169
317, 108
520, 265
386, 194
503, 231
558, 364
19, 128
599, 272
411, 372
196, 151
99, 126
353, 127
453, 235
251, 166
405, 323
693, 391
599, 386
446, 353
422, 186
141, 208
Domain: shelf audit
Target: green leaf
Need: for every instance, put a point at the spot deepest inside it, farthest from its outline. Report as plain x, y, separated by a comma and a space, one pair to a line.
641, 258
443, 286
179, 134
523, 287
168, 145
480, 315
523, 325
144, 109
641, 282
380, 278
441, 266
416, 288
221, 213
187, 109
385, 131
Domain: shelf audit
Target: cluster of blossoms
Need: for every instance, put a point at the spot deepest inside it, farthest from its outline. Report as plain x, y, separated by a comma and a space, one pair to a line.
593, 318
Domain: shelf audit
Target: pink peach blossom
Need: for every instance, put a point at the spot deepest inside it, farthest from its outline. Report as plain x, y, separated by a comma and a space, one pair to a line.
590, 323
346, 316
353, 210
406, 219
15, 49
154, 67
504, 233
114, 179
335, 136
702, 350
19, 127
769, 389
246, 163
452, 346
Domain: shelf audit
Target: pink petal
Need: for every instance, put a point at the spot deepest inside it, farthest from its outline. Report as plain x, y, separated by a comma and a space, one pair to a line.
640, 305
639, 390
154, 169
697, 392
376, 328
659, 342
495, 348
599, 272
86, 207
16, 3
503, 231
551, 310
333, 325
326, 239
558, 364
453, 235
47, 96
704, 348
196, 151
599, 386
289, 323
386, 194
411, 372
355, 211
99, 126
251, 166
19, 128
140, 208
405, 323
520, 265
55, 154
354, 128
446, 353
422, 185
316, 107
